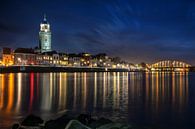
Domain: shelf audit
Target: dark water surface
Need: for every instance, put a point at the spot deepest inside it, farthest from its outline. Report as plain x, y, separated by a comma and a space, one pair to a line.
156, 100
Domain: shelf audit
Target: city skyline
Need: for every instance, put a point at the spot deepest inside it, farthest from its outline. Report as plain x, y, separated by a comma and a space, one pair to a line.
135, 31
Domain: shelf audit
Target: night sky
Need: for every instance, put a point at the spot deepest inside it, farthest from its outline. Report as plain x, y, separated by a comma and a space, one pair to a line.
136, 30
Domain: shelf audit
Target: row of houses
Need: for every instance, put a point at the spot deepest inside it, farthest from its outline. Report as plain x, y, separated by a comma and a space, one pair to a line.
29, 56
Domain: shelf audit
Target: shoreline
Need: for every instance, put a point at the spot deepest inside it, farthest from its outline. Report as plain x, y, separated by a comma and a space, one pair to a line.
57, 69
47, 69
70, 121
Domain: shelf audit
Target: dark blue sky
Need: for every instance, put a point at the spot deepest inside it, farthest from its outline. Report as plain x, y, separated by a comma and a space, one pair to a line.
136, 30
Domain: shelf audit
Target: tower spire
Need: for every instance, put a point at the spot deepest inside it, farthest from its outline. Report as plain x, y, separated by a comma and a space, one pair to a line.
45, 17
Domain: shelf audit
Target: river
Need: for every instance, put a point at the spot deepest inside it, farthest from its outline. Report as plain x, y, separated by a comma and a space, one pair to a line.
163, 100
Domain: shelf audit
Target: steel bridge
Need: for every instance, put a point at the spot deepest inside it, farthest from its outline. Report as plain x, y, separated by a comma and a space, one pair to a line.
170, 65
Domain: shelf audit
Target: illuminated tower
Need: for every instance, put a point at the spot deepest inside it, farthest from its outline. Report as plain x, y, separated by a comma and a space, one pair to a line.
45, 36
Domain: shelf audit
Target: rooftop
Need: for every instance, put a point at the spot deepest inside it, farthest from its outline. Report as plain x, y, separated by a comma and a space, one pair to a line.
24, 50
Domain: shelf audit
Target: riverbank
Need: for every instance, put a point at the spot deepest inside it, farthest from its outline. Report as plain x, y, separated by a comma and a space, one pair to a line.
67, 121
45, 69
48, 69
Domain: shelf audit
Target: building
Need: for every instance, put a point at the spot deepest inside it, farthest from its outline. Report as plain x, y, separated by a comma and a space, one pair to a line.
24, 56
85, 59
63, 59
7, 57
45, 36
48, 58
101, 60
74, 60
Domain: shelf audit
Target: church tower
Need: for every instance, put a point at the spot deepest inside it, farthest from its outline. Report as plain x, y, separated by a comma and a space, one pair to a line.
45, 36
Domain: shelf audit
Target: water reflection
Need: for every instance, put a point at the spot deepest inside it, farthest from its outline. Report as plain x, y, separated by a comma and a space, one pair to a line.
145, 98
2, 88
62, 91
46, 88
166, 97
19, 93
95, 90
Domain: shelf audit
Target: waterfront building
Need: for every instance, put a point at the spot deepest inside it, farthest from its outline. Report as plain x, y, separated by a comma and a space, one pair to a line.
85, 59
63, 57
7, 57
107, 62
49, 58
101, 60
24, 56
39, 59
94, 61
74, 60
45, 36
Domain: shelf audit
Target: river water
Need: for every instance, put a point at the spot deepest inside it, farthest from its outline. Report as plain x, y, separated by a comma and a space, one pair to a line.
163, 100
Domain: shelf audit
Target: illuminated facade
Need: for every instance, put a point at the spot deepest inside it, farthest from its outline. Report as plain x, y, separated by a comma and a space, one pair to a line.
74, 60
7, 57
48, 58
24, 56
63, 59
101, 60
45, 36
85, 59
